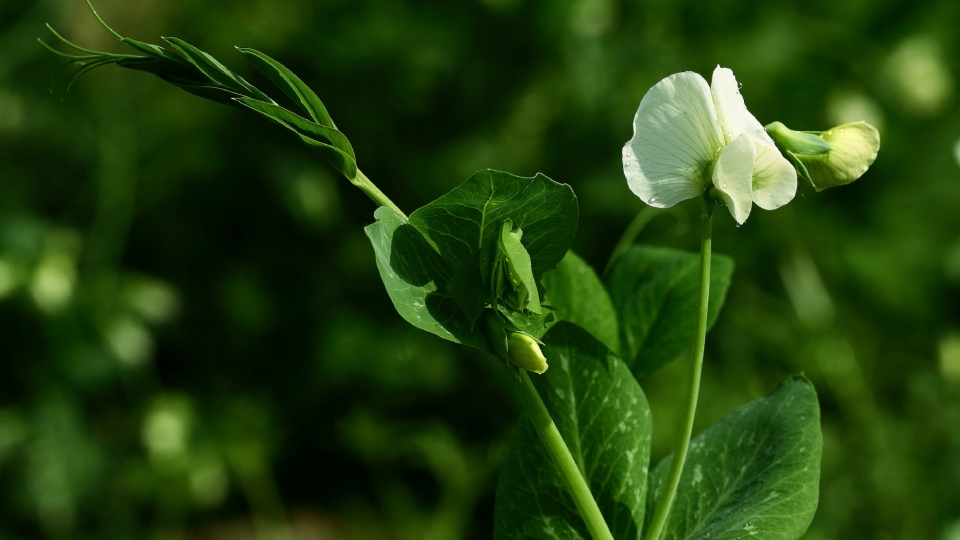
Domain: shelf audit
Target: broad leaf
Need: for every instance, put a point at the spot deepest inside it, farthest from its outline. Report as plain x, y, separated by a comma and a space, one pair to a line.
655, 291
472, 214
414, 275
603, 416
755, 474
578, 296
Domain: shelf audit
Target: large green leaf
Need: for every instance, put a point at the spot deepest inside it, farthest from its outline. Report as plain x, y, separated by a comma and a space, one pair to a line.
461, 222
755, 474
603, 416
415, 276
578, 296
655, 291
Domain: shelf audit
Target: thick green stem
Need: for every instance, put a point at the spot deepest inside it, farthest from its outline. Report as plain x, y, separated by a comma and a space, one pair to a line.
669, 490
372, 191
562, 458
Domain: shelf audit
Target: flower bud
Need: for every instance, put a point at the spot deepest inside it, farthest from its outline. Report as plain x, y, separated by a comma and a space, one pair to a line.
854, 148
525, 353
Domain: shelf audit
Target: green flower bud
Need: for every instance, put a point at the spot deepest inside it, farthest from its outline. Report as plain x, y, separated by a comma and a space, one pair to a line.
855, 148
798, 142
525, 353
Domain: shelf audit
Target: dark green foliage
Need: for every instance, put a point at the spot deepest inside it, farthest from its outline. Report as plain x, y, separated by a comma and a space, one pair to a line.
578, 296
380, 430
654, 291
755, 474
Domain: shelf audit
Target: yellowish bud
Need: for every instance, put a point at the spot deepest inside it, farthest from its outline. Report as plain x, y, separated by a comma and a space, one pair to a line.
854, 147
524, 352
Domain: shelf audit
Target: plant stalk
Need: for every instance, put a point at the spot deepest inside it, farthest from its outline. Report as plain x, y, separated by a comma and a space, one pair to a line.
669, 492
562, 458
372, 191
629, 236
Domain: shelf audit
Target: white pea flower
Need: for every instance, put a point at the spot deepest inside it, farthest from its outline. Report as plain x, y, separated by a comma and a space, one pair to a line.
689, 136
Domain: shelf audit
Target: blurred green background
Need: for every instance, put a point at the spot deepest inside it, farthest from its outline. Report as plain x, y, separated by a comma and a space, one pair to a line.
194, 341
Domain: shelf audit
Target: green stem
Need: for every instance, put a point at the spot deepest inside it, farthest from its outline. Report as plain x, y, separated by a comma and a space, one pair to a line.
372, 191
665, 501
562, 458
630, 234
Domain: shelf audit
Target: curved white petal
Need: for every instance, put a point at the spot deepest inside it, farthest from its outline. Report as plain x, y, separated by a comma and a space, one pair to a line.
732, 112
733, 175
675, 139
774, 178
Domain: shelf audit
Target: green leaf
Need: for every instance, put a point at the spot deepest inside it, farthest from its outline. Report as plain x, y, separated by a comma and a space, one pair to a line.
463, 286
655, 291
755, 474
578, 295
206, 91
415, 276
156, 51
324, 134
216, 71
462, 221
166, 68
291, 85
341, 161
604, 418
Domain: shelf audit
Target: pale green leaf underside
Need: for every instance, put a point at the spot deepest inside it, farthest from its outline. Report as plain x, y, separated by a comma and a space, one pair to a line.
654, 291
603, 416
754, 475
579, 296
414, 274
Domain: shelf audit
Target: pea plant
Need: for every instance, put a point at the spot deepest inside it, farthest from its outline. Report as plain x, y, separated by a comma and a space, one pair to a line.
488, 265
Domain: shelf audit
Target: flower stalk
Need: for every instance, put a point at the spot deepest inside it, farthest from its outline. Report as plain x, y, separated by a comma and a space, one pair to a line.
669, 490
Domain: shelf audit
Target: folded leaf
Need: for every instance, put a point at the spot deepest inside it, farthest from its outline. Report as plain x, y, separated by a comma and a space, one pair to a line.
415, 276
213, 69
291, 85
324, 134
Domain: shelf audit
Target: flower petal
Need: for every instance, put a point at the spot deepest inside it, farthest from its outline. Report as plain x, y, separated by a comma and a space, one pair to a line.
732, 112
733, 174
675, 139
774, 178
